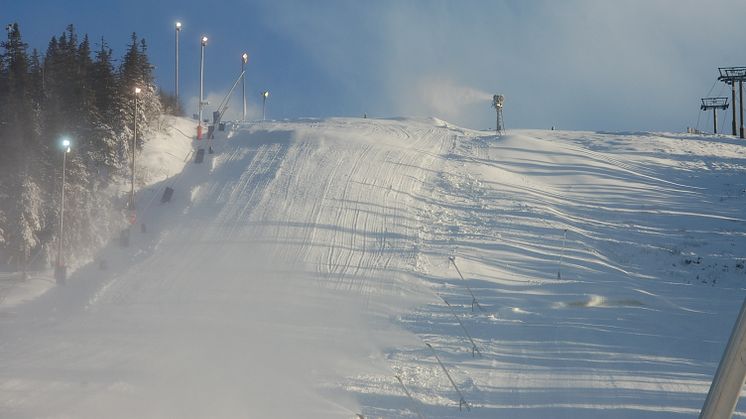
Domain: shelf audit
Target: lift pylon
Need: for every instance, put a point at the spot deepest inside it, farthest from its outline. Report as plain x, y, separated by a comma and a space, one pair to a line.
731, 75
714, 103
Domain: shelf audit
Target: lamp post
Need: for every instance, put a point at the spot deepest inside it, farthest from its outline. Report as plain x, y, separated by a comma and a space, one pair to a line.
60, 271
134, 147
244, 60
176, 79
265, 95
201, 80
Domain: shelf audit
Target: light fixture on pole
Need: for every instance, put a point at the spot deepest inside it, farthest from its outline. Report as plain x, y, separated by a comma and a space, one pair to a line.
60, 270
176, 79
244, 60
201, 83
265, 95
134, 146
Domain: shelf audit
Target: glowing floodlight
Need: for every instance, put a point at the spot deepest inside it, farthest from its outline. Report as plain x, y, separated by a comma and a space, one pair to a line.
244, 60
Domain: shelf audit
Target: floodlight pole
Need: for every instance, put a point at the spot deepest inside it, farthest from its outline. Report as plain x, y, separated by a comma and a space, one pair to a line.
62, 206
202, 77
244, 60
176, 67
59, 269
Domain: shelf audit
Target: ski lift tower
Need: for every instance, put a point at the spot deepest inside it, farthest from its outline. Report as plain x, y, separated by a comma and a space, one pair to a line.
714, 103
731, 75
497, 102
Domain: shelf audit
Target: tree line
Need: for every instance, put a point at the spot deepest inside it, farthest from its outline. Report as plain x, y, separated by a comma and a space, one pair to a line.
78, 90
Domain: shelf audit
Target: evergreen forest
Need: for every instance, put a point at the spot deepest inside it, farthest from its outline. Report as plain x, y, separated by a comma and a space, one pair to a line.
77, 90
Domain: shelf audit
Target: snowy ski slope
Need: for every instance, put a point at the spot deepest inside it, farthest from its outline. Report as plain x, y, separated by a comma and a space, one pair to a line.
305, 265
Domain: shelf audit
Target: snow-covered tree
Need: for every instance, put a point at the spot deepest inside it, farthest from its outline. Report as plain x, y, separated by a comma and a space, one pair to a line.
65, 92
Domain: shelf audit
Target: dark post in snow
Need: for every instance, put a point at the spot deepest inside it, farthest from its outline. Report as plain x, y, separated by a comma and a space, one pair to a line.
731, 75
562, 254
714, 103
474, 301
462, 402
474, 348
414, 403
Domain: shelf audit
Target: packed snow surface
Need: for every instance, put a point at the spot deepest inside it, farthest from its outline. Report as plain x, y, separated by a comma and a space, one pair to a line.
303, 269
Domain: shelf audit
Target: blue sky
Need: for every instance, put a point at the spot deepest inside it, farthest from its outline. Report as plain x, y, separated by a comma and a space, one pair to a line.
574, 64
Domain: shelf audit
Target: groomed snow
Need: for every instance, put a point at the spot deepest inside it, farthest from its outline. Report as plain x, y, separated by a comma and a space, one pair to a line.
305, 264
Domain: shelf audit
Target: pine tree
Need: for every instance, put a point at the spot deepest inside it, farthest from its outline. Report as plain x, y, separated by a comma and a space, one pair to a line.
103, 80
18, 105
104, 85
137, 72
23, 214
66, 92
36, 76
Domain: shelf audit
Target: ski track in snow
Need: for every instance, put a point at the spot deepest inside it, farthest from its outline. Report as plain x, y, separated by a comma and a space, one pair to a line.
301, 267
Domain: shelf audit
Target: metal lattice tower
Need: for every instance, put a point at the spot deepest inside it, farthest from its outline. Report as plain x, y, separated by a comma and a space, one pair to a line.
497, 102
731, 75
714, 103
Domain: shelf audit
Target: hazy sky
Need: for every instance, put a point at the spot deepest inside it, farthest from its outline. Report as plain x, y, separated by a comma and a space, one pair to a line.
574, 64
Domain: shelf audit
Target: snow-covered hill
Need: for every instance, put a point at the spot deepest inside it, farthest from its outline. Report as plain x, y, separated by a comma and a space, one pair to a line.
305, 265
